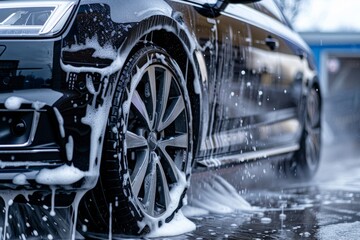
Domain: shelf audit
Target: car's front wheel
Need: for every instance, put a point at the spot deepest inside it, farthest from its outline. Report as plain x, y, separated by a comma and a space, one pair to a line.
147, 151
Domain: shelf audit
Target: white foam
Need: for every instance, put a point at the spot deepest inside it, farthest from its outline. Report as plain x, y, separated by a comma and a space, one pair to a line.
75, 207
20, 179
60, 121
63, 175
8, 201
38, 105
53, 192
14, 103
175, 196
173, 227
265, 220
69, 148
110, 221
282, 216
216, 195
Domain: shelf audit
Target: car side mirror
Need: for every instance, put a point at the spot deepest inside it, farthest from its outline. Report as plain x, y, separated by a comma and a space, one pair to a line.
220, 5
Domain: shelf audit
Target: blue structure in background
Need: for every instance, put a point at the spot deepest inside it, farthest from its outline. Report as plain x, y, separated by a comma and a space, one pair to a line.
321, 43
337, 57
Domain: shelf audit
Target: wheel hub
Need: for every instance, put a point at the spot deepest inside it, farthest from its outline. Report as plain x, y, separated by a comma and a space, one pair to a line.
152, 141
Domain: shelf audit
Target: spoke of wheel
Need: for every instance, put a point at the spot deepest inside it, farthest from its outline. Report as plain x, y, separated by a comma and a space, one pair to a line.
165, 187
165, 93
170, 162
150, 186
138, 174
152, 82
180, 141
140, 106
134, 141
176, 109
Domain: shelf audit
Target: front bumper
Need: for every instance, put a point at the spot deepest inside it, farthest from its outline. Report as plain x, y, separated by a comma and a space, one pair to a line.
44, 114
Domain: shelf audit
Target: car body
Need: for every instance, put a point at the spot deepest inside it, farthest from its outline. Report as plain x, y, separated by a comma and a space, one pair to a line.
123, 99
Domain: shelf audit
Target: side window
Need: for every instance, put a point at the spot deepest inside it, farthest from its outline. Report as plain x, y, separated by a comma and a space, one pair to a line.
268, 7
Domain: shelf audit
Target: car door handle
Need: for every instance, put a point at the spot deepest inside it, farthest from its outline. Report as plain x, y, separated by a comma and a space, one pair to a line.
272, 43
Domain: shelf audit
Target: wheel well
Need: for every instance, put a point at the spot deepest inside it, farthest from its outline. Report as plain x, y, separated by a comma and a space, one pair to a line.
172, 44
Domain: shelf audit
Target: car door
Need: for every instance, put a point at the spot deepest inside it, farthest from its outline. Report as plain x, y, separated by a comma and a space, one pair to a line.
232, 92
279, 66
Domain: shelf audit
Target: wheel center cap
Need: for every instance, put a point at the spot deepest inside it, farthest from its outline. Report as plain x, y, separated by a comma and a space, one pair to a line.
152, 141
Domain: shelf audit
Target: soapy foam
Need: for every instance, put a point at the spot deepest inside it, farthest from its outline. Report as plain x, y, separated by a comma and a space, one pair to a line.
14, 103
63, 175
173, 227
69, 148
215, 195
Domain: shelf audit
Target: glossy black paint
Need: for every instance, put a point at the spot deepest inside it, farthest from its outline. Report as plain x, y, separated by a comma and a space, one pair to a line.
250, 99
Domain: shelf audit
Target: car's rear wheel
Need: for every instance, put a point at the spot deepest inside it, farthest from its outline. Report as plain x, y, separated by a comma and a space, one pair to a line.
148, 149
306, 161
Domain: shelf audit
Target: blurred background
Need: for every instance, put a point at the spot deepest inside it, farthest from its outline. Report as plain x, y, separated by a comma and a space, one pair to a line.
332, 30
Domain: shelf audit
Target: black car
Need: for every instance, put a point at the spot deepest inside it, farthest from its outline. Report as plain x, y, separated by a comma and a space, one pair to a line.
116, 102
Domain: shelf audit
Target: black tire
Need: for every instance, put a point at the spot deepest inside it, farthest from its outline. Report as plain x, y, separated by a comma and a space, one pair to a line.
305, 161
147, 151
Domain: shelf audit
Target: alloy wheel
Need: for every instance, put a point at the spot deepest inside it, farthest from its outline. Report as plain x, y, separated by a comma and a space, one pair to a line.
156, 139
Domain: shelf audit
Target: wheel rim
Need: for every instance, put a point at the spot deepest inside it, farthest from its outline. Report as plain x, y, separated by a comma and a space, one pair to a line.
156, 139
313, 136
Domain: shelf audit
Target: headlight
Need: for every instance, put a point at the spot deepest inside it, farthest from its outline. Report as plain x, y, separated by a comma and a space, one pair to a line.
34, 18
